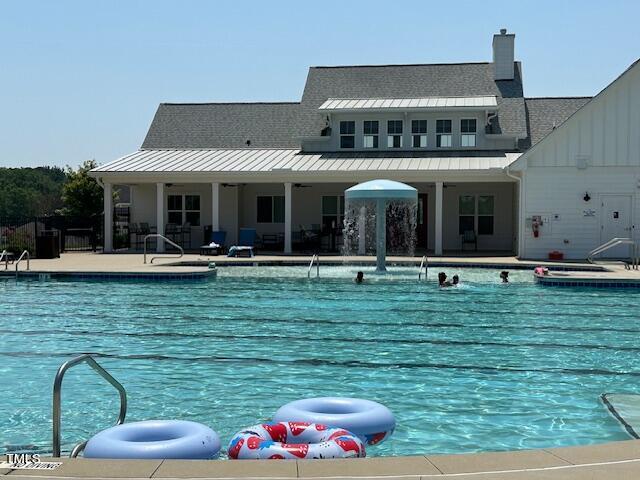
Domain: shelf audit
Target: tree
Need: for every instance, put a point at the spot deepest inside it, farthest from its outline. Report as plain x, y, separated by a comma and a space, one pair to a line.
81, 194
27, 192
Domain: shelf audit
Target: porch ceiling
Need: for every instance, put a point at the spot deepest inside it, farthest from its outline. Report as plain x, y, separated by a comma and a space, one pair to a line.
283, 161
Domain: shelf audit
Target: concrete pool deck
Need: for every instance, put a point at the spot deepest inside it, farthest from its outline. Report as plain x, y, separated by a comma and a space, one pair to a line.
133, 262
611, 461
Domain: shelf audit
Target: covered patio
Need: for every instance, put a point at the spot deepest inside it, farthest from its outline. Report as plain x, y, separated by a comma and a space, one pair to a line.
294, 202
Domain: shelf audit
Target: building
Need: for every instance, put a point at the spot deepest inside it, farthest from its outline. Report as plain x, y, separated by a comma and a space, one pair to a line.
477, 150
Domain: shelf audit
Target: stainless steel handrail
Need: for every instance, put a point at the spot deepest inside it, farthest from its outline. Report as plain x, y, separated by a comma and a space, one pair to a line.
614, 242
25, 252
315, 259
5, 255
424, 263
157, 235
57, 391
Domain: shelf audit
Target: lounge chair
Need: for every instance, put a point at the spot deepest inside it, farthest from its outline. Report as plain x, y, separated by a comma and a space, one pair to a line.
216, 246
469, 236
246, 242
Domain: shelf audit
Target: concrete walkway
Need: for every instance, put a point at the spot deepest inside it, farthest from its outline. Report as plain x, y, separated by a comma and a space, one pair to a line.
611, 461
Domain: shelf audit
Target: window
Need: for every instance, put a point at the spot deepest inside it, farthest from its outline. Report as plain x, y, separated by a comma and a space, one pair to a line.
443, 133
332, 212
419, 132
347, 134
468, 130
476, 213
270, 209
394, 134
183, 209
370, 134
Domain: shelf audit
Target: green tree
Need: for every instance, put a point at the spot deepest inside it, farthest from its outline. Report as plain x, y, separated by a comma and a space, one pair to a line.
27, 192
81, 194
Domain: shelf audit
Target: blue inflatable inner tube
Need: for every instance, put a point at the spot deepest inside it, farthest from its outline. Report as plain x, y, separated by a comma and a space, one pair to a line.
369, 420
157, 439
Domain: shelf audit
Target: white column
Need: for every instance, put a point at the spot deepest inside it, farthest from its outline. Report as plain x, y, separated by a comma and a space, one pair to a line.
215, 208
160, 215
108, 219
439, 203
287, 218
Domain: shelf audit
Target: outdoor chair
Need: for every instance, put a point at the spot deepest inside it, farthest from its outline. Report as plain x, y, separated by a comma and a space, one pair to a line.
217, 237
469, 236
246, 243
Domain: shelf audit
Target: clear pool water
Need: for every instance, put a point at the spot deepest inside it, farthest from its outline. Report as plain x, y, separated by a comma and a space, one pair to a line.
480, 367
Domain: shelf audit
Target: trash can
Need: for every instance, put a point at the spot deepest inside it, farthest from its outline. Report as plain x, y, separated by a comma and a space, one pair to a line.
48, 244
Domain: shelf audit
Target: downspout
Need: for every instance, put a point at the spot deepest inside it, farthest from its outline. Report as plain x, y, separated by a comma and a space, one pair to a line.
520, 210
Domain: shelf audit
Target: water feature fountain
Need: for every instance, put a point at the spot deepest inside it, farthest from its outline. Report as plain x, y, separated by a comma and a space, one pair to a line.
367, 206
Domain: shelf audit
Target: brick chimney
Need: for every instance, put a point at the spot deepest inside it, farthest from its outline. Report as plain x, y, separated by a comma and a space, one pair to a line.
503, 55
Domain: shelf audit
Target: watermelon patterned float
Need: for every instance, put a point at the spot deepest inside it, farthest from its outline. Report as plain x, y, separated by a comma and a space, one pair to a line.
294, 440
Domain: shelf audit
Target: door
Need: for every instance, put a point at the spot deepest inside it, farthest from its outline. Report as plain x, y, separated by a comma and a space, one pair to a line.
422, 221
615, 222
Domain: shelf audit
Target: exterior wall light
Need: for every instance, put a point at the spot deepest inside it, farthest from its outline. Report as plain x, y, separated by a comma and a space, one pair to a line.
586, 197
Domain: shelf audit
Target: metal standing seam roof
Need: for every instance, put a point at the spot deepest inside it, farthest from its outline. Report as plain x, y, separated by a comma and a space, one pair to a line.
482, 101
292, 160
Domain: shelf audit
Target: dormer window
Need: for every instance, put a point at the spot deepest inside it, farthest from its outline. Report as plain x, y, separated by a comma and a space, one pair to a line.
347, 134
419, 133
468, 131
394, 134
370, 139
443, 133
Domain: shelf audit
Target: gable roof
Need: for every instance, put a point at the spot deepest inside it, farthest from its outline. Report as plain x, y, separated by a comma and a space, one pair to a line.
546, 113
412, 81
223, 125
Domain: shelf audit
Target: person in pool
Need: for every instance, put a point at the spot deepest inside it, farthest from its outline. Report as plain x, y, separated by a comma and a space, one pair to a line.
442, 280
504, 275
456, 280
359, 277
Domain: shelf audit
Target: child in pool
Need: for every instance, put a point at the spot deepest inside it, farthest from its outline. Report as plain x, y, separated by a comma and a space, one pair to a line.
359, 277
442, 280
504, 275
456, 280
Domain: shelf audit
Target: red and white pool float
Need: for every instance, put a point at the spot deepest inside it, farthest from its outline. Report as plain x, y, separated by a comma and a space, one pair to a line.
294, 440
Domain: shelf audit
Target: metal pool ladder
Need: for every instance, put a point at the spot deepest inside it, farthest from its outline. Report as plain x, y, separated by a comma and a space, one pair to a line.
315, 259
22, 255
5, 255
57, 390
157, 235
424, 263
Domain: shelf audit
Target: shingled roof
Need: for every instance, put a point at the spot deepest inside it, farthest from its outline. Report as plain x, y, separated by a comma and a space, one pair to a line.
546, 113
223, 125
410, 81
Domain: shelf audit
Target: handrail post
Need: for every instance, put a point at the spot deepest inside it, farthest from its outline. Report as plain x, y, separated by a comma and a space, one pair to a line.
57, 395
157, 235
5, 255
25, 252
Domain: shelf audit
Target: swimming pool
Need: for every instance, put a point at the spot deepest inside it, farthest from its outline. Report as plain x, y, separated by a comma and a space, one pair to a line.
480, 367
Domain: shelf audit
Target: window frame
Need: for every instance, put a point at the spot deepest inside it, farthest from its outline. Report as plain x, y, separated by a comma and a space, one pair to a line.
440, 135
476, 213
346, 135
469, 134
273, 209
391, 137
183, 210
419, 134
375, 136
339, 215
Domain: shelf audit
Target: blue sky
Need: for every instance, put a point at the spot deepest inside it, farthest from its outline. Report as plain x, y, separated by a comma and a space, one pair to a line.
82, 79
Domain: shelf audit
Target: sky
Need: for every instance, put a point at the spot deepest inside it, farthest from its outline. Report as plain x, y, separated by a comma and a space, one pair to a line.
81, 80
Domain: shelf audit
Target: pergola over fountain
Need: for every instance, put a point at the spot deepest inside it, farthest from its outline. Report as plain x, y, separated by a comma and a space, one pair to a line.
382, 193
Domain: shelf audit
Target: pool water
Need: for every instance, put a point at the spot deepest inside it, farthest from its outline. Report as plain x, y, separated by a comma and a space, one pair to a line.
481, 367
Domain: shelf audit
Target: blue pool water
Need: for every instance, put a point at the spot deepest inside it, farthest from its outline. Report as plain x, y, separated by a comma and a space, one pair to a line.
481, 367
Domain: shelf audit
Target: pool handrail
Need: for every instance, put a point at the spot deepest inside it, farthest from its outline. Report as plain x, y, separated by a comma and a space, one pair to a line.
157, 235
25, 252
57, 396
614, 242
315, 258
424, 263
5, 255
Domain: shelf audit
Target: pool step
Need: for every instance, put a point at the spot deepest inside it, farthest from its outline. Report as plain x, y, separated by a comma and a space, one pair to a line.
625, 407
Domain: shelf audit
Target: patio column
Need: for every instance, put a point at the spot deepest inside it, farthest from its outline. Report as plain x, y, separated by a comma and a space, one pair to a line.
160, 215
215, 208
108, 218
439, 203
287, 217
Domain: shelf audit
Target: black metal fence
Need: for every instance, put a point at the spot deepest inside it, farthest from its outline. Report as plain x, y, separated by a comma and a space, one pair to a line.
58, 233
